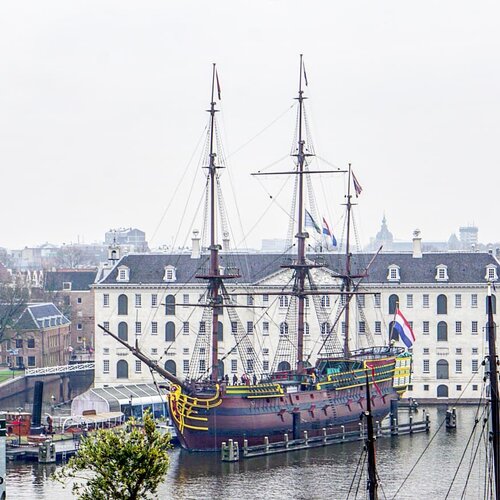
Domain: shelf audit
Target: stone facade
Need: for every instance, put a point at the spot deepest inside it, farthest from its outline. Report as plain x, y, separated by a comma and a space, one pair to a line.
150, 299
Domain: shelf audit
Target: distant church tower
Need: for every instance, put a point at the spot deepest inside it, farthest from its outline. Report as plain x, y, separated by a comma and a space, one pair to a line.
384, 237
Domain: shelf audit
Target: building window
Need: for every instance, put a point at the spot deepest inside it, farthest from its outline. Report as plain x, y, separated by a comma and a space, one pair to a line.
474, 387
306, 302
105, 350
154, 300
250, 365
475, 365
31, 343
138, 300
249, 300
393, 273
169, 274
362, 327
185, 365
79, 326
426, 350
66, 285
473, 300
377, 300
138, 366
378, 326
425, 327
106, 326
409, 301
202, 365
442, 331
169, 332
458, 350
123, 275
234, 327
343, 327
185, 298
265, 365
306, 328
185, 351
105, 366
202, 327
170, 305
79, 300
105, 300
234, 365
122, 304
185, 327
459, 387
138, 327
491, 273
154, 328
458, 327
442, 369
283, 301
154, 351
284, 328
265, 299
426, 387
475, 350
123, 331
325, 301
31, 361
442, 304
249, 327
361, 300
265, 328
425, 300
426, 367
325, 328
122, 369
393, 303
458, 301
474, 328
441, 273
458, 366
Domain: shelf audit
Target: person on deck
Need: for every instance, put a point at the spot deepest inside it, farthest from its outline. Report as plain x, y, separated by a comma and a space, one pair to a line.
235, 379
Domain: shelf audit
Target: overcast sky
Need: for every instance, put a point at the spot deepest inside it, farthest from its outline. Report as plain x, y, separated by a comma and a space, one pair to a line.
102, 106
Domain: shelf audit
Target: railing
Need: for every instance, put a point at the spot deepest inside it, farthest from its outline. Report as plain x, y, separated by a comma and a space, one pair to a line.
54, 370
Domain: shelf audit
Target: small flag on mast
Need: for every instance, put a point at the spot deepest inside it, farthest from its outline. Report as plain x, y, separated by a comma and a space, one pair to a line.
357, 185
218, 84
327, 232
305, 74
310, 222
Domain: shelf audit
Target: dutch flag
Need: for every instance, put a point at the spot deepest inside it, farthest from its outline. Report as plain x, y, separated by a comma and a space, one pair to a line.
327, 232
403, 329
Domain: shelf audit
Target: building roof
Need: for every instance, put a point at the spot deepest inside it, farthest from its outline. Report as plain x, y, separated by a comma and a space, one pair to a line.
37, 317
462, 267
80, 280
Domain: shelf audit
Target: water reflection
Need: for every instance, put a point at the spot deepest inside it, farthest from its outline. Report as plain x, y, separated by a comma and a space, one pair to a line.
315, 473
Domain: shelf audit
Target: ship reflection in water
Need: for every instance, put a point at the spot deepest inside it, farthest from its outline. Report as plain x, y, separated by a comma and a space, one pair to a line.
314, 473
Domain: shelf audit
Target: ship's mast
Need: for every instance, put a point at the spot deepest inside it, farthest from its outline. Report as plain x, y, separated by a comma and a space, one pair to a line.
370, 445
213, 275
301, 266
347, 281
495, 414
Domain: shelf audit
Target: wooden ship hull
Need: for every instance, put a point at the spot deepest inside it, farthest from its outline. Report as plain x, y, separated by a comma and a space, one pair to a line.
205, 420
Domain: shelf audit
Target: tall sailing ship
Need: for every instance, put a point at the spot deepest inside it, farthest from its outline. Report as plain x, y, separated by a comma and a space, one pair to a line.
295, 395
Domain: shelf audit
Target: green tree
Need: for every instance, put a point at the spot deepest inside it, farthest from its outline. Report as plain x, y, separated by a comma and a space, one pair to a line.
126, 464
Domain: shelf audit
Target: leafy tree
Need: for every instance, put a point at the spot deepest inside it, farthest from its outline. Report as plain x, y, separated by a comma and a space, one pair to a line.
125, 464
13, 300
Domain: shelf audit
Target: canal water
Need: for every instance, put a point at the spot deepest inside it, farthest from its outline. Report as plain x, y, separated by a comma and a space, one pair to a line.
405, 471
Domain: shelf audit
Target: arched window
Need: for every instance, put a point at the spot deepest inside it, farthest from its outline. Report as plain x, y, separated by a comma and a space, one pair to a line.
325, 328
442, 331
284, 328
393, 333
493, 304
393, 303
442, 369
123, 331
442, 391
220, 369
170, 305
171, 367
220, 331
442, 304
122, 304
122, 369
283, 366
170, 331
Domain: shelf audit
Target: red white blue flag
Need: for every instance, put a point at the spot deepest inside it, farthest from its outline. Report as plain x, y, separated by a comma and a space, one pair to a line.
357, 185
327, 232
403, 329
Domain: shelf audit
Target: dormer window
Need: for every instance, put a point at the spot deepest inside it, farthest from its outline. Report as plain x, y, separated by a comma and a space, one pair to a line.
441, 273
393, 273
169, 274
491, 273
123, 274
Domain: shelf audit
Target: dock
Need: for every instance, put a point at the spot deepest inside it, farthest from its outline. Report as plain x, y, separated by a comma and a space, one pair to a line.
62, 450
231, 450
